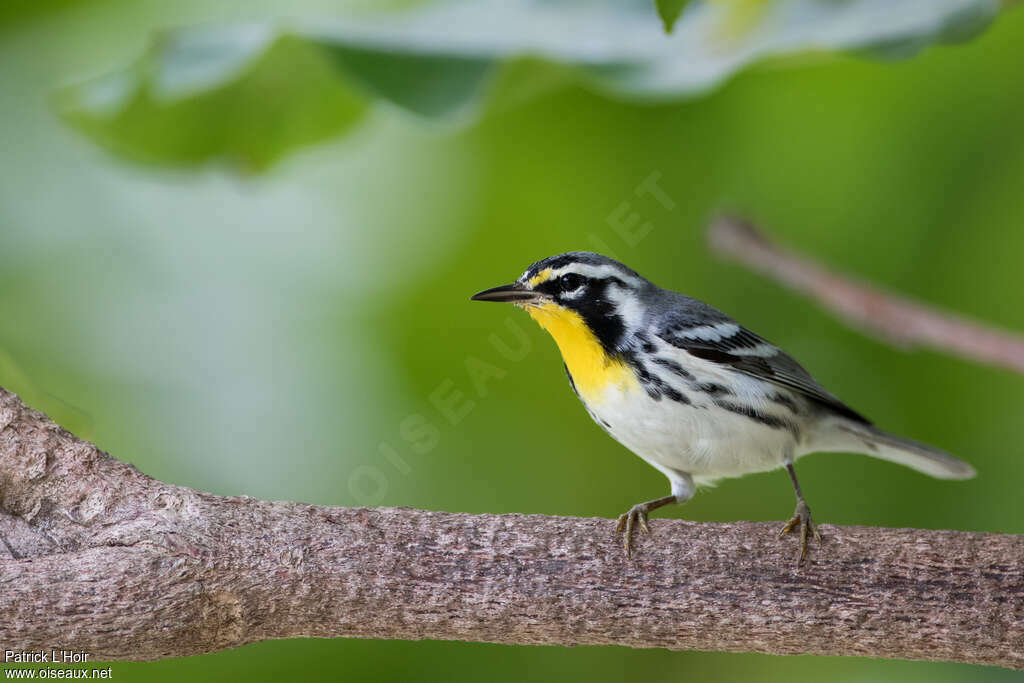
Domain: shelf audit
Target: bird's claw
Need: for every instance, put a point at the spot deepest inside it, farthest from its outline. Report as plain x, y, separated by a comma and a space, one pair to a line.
637, 516
802, 519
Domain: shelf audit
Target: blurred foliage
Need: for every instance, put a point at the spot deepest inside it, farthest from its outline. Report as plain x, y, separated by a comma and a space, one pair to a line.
20, 10
669, 11
276, 95
268, 335
434, 59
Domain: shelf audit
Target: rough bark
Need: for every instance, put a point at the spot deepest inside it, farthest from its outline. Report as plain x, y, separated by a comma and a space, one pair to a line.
98, 557
893, 318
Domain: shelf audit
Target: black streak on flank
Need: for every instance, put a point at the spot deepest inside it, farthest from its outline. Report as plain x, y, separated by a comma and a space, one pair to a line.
757, 416
656, 387
765, 370
712, 389
645, 343
676, 396
785, 401
674, 367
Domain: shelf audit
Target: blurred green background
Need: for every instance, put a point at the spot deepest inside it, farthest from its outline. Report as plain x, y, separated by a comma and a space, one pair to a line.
265, 335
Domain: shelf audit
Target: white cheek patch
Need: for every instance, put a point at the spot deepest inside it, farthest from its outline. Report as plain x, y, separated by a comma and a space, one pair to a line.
627, 306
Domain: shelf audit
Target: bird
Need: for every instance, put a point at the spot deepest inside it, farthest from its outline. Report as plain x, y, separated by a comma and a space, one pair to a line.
690, 390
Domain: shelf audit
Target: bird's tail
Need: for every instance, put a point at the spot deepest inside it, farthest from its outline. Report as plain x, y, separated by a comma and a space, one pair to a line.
869, 440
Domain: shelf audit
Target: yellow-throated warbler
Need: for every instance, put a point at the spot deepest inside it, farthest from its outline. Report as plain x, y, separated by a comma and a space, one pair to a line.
689, 389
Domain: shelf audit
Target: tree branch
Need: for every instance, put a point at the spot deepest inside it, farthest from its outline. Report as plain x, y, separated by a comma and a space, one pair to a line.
101, 558
895, 319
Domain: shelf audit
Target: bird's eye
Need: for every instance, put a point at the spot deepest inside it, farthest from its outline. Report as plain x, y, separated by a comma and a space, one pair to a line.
570, 281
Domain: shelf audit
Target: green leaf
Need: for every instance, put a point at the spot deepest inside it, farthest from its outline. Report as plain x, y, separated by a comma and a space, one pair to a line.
245, 103
249, 94
425, 84
669, 11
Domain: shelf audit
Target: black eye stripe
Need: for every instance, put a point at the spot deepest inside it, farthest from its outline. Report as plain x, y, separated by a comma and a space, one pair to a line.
569, 282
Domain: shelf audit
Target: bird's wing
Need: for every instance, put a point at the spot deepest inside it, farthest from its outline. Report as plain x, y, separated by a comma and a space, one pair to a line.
721, 340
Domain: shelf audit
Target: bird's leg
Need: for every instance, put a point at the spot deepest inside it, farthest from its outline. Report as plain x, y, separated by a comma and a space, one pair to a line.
637, 516
801, 517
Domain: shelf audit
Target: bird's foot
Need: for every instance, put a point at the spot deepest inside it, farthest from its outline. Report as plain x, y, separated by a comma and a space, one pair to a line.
802, 519
636, 517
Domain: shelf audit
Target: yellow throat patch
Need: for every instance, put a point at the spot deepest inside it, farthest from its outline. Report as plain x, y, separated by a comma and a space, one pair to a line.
591, 368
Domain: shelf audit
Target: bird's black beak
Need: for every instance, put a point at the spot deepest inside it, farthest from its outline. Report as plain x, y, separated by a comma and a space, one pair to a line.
515, 293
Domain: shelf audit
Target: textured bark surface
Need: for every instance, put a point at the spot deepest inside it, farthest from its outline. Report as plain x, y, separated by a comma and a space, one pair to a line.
96, 556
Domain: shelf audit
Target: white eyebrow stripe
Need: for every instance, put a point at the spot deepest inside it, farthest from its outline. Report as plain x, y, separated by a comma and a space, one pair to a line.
711, 333
596, 272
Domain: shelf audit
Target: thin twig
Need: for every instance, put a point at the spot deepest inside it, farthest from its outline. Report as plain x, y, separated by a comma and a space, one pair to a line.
122, 566
894, 318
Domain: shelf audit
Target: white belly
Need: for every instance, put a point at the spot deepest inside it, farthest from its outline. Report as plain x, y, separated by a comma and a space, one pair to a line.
699, 438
